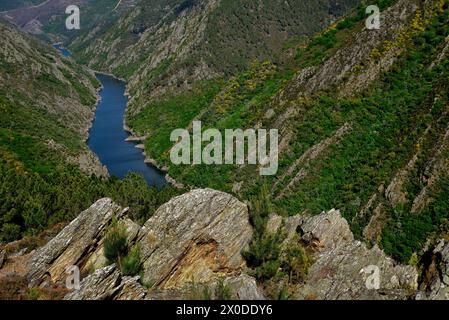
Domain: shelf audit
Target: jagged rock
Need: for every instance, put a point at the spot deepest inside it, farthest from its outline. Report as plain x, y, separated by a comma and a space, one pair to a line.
436, 286
342, 266
73, 244
244, 287
131, 289
132, 230
107, 283
329, 230
100, 285
196, 237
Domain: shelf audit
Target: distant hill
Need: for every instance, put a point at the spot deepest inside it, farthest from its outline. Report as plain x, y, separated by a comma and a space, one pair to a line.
47, 18
165, 45
6, 5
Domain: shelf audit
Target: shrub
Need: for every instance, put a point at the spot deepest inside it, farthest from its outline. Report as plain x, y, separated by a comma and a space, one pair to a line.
115, 242
33, 294
10, 232
264, 256
296, 263
131, 264
223, 292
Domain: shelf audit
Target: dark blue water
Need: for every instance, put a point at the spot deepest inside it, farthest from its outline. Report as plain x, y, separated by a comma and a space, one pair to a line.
107, 136
65, 52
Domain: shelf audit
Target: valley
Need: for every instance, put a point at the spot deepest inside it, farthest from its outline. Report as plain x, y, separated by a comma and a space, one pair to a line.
362, 168
107, 137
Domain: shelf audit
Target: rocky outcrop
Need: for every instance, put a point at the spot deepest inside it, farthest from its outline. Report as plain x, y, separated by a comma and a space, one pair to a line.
344, 268
435, 285
107, 283
195, 237
89, 163
73, 244
244, 287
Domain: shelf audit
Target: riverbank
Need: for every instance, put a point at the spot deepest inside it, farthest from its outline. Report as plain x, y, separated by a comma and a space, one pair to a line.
140, 144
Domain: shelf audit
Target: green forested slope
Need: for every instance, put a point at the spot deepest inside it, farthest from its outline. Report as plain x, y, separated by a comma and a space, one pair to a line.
162, 46
376, 149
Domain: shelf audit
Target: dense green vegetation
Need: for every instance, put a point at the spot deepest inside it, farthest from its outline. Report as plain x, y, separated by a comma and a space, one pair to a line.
117, 250
131, 264
38, 189
406, 234
178, 113
115, 242
268, 256
389, 124
248, 24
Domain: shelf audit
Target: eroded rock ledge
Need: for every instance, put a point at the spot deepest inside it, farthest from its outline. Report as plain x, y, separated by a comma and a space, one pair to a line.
195, 238
341, 265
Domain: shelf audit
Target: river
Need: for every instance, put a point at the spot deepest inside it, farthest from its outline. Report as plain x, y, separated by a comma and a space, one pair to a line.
107, 135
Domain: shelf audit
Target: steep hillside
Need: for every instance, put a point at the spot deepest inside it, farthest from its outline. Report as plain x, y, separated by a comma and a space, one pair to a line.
47, 18
47, 103
52, 92
33, 17
363, 119
163, 45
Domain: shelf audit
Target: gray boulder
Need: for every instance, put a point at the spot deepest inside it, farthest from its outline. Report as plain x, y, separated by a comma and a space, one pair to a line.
436, 276
73, 244
343, 268
197, 237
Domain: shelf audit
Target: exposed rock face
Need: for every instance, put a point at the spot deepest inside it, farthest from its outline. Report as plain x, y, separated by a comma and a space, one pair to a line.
244, 287
74, 243
340, 68
99, 286
437, 275
328, 230
107, 283
195, 237
343, 267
